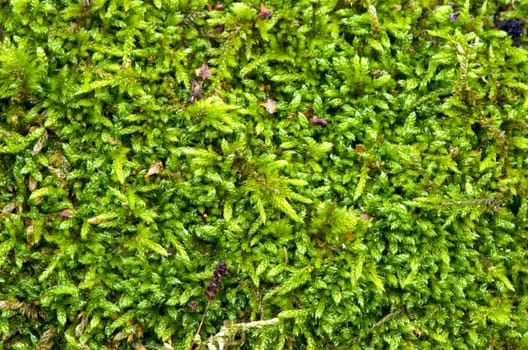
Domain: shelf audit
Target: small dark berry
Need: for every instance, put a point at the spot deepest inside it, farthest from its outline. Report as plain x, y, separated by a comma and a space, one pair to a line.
513, 27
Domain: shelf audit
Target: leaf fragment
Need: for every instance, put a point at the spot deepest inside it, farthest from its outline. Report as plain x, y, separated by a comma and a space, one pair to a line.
270, 105
203, 72
265, 12
319, 121
154, 169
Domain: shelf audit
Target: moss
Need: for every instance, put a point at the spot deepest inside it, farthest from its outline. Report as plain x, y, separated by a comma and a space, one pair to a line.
359, 166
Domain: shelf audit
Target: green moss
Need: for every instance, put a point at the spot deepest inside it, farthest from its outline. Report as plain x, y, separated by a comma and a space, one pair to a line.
360, 167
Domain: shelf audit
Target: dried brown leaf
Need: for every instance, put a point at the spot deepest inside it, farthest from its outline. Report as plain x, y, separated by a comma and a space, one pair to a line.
265, 13
319, 121
154, 169
359, 148
192, 305
203, 72
270, 105
219, 28
366, 217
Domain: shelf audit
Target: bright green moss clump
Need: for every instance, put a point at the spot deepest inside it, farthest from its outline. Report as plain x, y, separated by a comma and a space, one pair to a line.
360, 167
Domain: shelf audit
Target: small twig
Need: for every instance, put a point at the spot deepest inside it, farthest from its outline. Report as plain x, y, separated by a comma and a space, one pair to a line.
197, 335
387, 318
227, 332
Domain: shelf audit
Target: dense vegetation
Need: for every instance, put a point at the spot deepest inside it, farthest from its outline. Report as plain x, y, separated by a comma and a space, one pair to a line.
360, 167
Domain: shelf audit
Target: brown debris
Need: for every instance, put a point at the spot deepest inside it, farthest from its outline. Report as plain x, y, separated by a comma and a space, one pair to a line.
196, 90
219, 28
366, 217
204, 217
319, 121
154, 169
192, 305
270, 105
203, 72
265, 13
217, 7
359, 148
309, 113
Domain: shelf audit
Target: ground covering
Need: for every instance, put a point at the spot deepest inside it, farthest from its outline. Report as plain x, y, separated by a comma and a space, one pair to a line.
317, 174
